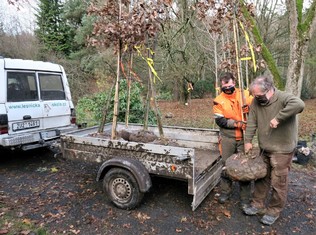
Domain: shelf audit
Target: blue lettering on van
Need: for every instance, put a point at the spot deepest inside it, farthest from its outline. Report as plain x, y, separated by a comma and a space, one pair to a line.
58, 104
23, 106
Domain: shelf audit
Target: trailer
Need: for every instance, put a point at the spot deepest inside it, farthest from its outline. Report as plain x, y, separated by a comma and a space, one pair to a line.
126, 167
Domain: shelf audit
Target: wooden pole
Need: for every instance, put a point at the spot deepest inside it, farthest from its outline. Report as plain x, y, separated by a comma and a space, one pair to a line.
242, 95
117, 85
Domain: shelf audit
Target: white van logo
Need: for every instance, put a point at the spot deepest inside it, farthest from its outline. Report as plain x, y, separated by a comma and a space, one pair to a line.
47, 108
23, 106
58, 104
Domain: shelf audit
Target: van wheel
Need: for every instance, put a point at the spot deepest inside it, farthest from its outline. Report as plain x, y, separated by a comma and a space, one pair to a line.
122, 188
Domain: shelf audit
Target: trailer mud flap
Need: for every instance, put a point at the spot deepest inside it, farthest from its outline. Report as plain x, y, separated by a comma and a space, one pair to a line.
205, 182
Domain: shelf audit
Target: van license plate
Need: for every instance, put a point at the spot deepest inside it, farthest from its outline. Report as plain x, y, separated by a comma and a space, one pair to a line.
25, 125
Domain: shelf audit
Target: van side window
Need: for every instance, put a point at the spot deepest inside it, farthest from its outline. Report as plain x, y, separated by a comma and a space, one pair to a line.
21, 86
51, 87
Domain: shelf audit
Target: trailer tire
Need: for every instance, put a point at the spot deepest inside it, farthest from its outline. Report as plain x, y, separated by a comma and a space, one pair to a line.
122, 188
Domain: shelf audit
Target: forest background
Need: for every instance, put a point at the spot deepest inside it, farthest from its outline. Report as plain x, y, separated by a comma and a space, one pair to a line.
184, 42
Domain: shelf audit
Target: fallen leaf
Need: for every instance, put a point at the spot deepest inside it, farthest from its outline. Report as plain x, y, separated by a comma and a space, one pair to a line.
74, 231
4, 231
178, 230
26, 221
54, 169
184, 219
227, 213
41, 169
310, 216
142, 217
25, 232
126, 225
70, 194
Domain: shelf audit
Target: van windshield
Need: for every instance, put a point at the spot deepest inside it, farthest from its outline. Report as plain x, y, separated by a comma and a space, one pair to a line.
51, 87
21, 87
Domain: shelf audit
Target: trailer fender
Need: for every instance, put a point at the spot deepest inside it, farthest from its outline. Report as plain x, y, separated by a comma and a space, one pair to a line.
135, 167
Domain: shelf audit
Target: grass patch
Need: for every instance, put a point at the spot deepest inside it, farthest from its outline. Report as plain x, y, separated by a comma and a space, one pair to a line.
11, 223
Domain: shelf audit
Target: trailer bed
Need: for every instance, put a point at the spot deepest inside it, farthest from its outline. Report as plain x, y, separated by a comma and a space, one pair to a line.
195, 159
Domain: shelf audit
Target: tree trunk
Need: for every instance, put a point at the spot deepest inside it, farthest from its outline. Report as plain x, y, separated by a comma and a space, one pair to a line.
156, 108
147, 105
129, 84
295, 70
153, 97
266, 54
216, 66
117, 85
106, 109
116, 96
300, 33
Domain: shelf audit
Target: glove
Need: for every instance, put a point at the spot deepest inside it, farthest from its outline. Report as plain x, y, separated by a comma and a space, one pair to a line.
245, 108
240, 125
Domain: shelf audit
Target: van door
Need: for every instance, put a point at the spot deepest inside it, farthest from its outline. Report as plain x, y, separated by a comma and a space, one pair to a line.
23, 106
57, 110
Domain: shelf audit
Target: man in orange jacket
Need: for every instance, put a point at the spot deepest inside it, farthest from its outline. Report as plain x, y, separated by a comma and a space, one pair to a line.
228, 111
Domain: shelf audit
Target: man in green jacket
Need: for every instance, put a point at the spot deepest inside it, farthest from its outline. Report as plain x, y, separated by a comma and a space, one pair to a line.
273, 115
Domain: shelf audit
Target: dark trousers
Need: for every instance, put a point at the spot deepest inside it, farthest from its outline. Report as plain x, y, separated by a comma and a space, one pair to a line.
230, 146
277, 180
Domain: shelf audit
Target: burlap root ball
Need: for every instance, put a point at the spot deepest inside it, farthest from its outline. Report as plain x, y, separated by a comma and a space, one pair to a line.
245, 167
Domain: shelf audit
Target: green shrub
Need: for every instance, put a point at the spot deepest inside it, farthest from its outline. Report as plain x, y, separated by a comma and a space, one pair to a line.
202, 88
90, 108
166, 95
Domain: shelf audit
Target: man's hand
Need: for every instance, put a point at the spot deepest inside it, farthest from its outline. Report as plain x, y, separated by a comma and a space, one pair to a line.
240, 125
245, 108
274, 123
248, 147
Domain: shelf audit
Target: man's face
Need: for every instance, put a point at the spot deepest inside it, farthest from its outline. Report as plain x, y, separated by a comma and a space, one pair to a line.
262, 97
229, 87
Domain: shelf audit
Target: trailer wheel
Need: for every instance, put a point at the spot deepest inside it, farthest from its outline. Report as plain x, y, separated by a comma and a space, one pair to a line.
122, 188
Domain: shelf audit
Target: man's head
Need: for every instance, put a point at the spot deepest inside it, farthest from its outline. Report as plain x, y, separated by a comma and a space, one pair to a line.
262, 88
228, 83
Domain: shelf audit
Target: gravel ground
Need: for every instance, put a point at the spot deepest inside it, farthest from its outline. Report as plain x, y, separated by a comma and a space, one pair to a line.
64, 198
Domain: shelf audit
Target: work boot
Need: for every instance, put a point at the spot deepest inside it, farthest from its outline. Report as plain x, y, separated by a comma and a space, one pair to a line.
269, 219
225, 189
251, 210
245, 194
224, 198
244, 204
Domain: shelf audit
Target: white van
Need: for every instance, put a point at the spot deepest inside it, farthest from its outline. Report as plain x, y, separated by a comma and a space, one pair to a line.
35, 103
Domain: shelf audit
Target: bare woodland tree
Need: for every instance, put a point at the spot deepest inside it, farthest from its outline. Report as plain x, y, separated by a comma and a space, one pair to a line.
220, 20
301, 31
16, 41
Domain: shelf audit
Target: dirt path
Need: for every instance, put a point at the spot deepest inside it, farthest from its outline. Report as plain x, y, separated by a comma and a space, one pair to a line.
64, 197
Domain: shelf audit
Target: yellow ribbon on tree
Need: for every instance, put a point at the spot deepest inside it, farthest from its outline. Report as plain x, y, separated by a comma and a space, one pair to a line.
149, 61
251, 48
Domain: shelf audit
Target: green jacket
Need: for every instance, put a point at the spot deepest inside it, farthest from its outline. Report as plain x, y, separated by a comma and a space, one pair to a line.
283, 106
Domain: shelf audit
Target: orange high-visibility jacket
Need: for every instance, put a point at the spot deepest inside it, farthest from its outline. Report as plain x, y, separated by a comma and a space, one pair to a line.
229, 107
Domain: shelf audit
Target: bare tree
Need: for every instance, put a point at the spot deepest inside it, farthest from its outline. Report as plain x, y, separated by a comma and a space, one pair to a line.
219, 20
124, 28
301, 31
15, 42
